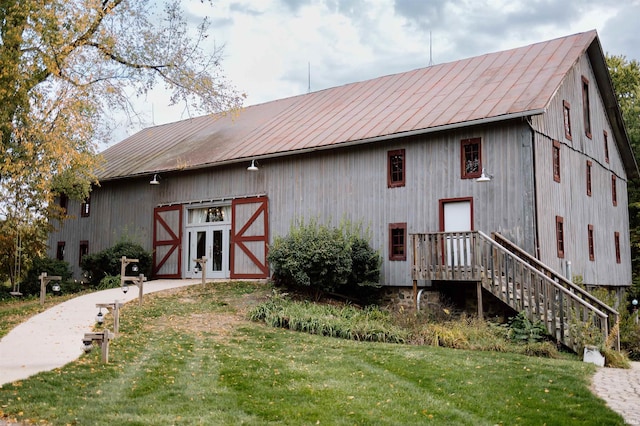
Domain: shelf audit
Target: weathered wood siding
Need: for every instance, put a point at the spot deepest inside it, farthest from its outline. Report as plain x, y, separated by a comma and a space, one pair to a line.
568, 198
342, 184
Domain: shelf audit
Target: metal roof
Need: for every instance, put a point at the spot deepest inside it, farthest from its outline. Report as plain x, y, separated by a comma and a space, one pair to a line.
494, 86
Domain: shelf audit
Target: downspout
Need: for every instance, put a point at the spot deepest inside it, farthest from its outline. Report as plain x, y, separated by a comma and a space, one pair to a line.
536, 234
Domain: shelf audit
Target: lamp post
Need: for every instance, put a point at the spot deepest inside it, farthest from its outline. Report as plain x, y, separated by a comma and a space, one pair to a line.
138, 281
44, 280
202, 265
634, 302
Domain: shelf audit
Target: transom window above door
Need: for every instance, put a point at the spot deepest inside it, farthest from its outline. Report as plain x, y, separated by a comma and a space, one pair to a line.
209, 214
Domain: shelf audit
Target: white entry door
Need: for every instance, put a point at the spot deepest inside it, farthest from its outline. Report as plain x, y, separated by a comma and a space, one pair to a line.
457, 218
212, 242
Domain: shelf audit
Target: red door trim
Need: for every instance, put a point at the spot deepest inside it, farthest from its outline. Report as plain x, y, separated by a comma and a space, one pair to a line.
444, 201
175, 241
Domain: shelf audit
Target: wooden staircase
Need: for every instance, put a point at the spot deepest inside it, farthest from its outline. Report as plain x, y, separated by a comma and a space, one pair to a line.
516, 278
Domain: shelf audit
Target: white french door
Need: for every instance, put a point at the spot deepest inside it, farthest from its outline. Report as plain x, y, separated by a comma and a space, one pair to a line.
210, 241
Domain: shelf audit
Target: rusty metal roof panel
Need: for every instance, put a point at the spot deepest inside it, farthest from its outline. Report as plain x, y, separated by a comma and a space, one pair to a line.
515, 81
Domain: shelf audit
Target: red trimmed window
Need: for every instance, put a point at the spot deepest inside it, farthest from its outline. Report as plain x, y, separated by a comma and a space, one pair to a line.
560, 236
586, 109
84, 250
614, 191
395, 168
60, 250
556, 160
567, 119
616, 241
85, 208
592, 248
470, 158
397, 241
589, 165
606, 146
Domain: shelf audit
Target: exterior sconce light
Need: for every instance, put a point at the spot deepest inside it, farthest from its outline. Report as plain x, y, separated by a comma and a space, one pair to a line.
55, 288
134, 267
155, 180
125, 289
253, 167
484, 177
87, 345
100, 317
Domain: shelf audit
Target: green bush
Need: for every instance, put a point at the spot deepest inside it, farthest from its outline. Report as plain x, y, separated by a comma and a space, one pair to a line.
108, 262
324, 259
53, 267
523, 330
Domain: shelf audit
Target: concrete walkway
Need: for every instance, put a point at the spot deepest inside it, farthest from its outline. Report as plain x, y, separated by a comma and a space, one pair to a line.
53, 338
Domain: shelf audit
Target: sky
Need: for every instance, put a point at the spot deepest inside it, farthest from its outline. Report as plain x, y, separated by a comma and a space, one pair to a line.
275, 49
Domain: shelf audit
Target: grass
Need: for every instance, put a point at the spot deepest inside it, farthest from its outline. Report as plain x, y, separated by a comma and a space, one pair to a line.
190, 357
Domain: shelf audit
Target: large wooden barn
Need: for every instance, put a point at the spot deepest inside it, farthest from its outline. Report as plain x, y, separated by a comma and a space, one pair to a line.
528, 143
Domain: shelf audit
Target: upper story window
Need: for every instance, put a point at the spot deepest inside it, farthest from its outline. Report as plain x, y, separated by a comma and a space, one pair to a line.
567, 119
64, 203
556, 160
85, 208
589, 166
586, 109
592, 248
395, 168
614, 190
606, 146
560, 236
616, 242
397, 241
471, 158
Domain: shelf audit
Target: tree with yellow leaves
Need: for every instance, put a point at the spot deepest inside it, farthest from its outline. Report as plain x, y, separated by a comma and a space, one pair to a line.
63, 65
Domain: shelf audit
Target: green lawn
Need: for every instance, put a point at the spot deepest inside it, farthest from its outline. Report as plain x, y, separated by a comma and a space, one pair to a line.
191, 357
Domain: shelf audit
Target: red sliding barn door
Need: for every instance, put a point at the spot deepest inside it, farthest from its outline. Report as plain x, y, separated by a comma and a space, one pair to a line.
167, 242
249, 238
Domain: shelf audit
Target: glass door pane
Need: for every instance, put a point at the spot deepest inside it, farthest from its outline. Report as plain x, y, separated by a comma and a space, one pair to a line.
216, 256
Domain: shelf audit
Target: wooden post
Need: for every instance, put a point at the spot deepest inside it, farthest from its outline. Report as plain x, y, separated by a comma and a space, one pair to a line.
115, 310
203, 267
44, 280
104, 346
140, 281
415, 294
479, 290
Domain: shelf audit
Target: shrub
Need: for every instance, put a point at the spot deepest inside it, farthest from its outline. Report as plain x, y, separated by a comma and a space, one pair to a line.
108, 262
324, 259
53, 267
523, 330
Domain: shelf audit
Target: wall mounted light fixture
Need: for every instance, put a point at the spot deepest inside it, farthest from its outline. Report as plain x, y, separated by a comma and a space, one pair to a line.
484, 177
253, 167
155, 180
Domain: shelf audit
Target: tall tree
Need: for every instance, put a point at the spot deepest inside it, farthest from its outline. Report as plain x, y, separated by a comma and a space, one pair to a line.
625, 75
63, 64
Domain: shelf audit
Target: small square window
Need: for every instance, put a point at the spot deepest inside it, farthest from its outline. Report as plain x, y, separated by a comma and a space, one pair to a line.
397, 241
84, 250
560, 236
616, 241
592, 249
589, 166
471, 158
395, 168
567, 119
614, 191
606, 146
556, 160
